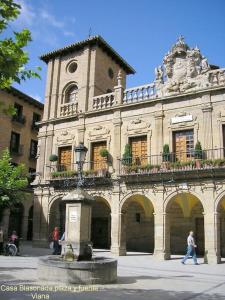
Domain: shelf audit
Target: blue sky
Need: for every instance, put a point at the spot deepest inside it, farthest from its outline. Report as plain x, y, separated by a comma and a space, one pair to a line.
141, 31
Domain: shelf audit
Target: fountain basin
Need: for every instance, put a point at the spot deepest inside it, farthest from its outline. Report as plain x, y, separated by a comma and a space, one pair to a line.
99, 270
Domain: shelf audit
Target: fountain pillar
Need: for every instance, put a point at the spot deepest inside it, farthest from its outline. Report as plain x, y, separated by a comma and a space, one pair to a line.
78, 224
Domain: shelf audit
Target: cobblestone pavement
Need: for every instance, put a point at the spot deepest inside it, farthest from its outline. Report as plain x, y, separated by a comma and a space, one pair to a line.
140, 276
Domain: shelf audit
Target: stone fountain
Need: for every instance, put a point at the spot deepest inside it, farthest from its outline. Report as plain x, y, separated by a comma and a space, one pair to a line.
77, 265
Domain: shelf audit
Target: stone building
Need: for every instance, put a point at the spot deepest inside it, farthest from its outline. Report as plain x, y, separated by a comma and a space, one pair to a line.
19, 135
163, 172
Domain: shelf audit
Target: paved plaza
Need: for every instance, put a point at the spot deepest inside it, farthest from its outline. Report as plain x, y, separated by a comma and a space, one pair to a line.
140, 276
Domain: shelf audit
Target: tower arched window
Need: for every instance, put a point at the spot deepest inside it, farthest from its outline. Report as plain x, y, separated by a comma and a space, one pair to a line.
71, 94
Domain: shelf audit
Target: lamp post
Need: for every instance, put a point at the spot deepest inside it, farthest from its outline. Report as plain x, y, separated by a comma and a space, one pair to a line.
78, 213
80, 154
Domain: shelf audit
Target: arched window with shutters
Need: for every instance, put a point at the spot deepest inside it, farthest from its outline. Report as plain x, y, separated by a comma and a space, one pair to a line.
69, 102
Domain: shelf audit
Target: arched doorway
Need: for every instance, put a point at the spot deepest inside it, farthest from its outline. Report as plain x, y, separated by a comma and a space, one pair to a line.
139, 224
221, 211
57, 216
185, 213
30, 224
101, 224
15, 219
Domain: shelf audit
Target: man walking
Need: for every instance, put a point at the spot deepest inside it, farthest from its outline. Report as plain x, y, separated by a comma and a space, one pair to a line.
190, 249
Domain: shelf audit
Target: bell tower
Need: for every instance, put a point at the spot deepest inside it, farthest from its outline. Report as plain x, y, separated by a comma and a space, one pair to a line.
77, 73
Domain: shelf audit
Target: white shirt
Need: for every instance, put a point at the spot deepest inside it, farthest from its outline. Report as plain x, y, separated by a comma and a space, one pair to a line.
190, 241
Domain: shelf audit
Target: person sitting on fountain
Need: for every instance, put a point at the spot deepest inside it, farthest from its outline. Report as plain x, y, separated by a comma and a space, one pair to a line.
55, 239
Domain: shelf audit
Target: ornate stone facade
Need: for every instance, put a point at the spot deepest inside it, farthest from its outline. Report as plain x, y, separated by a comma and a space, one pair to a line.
150, 200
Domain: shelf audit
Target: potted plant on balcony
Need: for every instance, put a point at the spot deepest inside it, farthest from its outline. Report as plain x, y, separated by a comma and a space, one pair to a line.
198, 154
104, 153
53, 158
127, 158
165, 157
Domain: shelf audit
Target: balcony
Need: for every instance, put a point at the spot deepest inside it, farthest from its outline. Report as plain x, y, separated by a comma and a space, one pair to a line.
174, 166
19, 119
68, 109
140, 93
103, 101
93, 173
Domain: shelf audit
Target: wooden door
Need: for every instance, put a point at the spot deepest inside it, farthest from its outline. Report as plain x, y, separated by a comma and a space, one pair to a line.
98, 162
184, 145
65, 154
139, 150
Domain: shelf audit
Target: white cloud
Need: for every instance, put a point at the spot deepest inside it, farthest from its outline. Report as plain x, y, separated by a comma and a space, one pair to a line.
51, 19
27, 14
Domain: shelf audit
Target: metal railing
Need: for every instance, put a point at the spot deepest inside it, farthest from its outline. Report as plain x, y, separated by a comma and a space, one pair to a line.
174, 161
90, 169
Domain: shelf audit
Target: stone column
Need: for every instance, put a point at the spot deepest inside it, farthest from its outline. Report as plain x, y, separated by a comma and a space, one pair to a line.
116, 145
207, 142
162, 235
212, 243
40, 223
119, 90
25, 226
48, 152
157, 138
48, 90
118, 226
55, 101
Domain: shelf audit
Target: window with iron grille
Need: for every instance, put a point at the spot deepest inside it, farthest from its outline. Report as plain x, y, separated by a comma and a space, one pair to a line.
33, 149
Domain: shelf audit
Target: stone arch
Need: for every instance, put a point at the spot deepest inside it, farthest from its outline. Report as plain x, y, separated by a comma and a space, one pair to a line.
184, 212
220, 198
101, 223
57, 213
174, 193
66, 89
220, 213
138, 211
128, 196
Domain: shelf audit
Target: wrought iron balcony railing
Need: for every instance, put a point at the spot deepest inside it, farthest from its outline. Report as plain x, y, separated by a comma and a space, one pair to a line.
173, 162
90, 169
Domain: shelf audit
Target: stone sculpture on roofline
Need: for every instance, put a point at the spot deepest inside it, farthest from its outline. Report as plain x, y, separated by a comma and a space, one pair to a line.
185, 69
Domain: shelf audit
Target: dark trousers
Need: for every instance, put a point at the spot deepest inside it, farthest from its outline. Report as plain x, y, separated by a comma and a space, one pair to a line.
56, 248
1, 248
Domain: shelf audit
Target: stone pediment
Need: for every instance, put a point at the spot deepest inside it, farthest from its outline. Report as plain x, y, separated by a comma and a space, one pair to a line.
185, 69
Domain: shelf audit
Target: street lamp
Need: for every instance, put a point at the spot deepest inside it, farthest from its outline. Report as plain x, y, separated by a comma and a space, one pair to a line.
80, 153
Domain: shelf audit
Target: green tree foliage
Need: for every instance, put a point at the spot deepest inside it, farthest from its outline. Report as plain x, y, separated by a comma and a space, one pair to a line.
12, 181
13, 57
